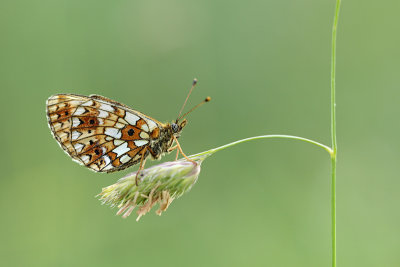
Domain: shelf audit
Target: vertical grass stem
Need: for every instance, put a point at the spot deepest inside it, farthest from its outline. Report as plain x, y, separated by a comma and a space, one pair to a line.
333, 132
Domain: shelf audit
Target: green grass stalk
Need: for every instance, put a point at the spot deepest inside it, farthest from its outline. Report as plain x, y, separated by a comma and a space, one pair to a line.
333, 132
212, 151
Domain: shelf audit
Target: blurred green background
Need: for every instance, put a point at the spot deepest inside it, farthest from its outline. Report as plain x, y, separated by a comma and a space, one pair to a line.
266, 64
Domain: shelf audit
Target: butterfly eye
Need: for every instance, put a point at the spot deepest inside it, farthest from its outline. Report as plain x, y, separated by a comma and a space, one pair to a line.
175, 127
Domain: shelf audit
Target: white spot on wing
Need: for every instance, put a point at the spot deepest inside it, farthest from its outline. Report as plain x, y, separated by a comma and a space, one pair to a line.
75, 135
140, 142
103, 114
53, 117
152, 125
63, 136
131, 118
109, 138
100, 120
78, 147
122, 149
79, 111
85, 159
125, 158
107, 160
145, 128
119, 125
57, 126
106, 107
113, 132
88, 103
117, 142
52, 108
75, 122
75, 103
144, 135
121, 120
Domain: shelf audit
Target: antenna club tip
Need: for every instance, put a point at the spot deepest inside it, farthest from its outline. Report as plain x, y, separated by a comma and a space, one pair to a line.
194, 81
208, 99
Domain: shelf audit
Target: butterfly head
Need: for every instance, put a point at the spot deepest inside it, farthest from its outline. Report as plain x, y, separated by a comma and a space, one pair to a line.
177, 127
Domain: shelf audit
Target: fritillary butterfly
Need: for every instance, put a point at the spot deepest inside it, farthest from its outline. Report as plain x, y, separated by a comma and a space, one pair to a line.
108, 136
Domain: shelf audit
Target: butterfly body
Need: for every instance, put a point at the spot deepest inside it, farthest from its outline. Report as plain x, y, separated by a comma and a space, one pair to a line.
105, 135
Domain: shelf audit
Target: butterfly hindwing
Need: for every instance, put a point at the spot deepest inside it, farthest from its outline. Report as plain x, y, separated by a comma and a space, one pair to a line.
100, 133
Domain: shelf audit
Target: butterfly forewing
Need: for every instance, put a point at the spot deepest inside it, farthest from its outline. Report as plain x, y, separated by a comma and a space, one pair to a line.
100, 133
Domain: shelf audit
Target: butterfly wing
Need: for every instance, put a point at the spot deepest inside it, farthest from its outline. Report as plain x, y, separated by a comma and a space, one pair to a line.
100, 133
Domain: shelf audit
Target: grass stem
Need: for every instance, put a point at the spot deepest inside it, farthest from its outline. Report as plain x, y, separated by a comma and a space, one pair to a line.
211, 151
333, 132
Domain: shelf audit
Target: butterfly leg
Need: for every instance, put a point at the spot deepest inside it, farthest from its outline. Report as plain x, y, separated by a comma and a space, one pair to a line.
178, 146
172, 148
141, 167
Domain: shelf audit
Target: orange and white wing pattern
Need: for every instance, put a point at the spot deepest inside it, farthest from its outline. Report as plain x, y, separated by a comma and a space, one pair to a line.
100, 133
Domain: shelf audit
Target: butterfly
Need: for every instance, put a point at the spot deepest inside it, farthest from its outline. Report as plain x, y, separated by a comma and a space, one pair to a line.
107, 136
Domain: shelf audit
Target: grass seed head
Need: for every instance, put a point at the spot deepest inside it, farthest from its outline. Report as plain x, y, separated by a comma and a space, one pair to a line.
161, 184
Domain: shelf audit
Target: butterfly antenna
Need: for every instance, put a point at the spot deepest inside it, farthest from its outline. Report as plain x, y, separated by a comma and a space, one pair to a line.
198, 105
191, 89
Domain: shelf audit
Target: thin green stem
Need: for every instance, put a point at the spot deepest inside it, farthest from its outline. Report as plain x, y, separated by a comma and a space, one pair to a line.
333, 78
211, 151
333, 132
333, 209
